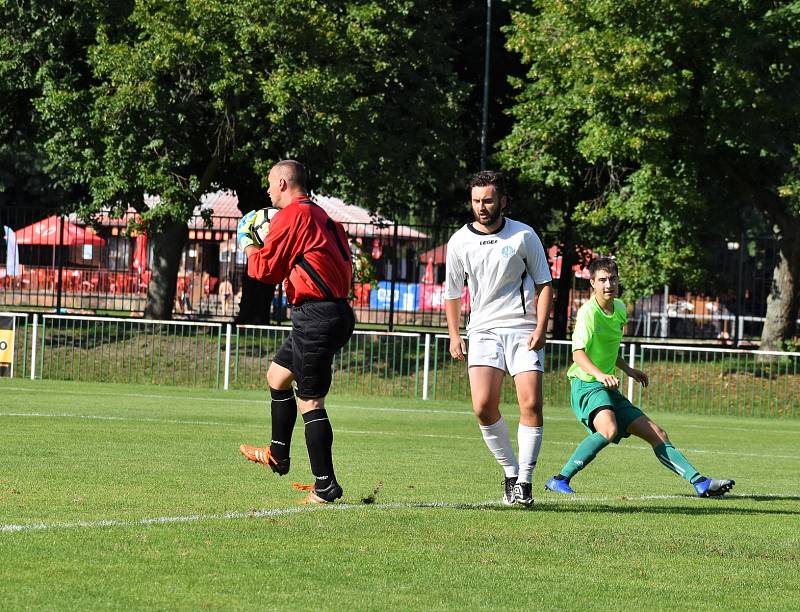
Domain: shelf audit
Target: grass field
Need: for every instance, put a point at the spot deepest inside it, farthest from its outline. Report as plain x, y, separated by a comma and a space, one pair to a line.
135, 497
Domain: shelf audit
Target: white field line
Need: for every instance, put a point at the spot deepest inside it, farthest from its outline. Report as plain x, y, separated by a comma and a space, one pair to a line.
261, 402
228, 516
637, 447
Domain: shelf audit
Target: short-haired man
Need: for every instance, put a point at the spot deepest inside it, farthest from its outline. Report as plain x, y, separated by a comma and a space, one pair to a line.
309, 250
606, 414
505, 268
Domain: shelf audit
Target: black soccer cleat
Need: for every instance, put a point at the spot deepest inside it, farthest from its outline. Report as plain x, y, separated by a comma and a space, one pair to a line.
508, 490
522, 494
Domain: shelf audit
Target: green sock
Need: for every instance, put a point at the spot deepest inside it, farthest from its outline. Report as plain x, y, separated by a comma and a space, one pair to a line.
675, 461
583, 455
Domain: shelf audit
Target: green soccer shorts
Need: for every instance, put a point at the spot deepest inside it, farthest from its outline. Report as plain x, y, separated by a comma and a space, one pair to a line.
587, 397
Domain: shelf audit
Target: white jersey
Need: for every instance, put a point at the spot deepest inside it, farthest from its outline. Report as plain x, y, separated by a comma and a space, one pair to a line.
502, 270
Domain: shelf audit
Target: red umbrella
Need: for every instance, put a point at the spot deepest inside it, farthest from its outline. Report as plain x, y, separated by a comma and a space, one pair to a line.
428, 277
140, 253
48, 232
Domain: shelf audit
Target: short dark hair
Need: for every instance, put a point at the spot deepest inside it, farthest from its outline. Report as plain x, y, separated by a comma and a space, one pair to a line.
294, 172
484, 178
606, 264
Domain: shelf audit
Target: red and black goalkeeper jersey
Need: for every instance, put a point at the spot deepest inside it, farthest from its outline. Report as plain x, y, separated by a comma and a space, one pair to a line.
308, 249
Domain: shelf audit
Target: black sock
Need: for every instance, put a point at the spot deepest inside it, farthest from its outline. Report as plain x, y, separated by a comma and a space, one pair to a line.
560, 477
284, 416
319, 441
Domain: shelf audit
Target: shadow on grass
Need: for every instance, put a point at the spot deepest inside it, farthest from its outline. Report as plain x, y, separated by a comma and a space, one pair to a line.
621, 505
713, 508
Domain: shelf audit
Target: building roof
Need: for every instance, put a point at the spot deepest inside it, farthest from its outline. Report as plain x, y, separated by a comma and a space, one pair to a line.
225, 213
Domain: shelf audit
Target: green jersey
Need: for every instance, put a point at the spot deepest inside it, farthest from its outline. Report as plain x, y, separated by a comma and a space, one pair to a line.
599, 335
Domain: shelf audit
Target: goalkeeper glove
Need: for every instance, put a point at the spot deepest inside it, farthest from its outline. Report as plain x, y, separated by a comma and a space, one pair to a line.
244, 231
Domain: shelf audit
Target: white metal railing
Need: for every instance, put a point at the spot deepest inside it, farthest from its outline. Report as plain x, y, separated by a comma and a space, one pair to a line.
406, 364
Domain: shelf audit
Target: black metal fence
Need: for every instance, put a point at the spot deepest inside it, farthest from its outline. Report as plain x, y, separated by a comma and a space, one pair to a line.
51, 262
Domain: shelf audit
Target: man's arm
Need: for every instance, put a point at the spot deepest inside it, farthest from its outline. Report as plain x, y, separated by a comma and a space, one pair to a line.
452, 309
538, 338
635, 374
272, 262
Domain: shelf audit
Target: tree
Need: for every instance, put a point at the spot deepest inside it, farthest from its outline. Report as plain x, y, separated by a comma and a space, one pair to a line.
186, 97
667, 121
39, 44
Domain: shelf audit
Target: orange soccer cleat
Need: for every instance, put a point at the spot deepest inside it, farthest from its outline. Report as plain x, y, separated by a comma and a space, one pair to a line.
322, 496
264, 457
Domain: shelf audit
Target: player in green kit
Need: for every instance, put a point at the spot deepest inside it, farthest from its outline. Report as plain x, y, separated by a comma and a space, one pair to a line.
596, 401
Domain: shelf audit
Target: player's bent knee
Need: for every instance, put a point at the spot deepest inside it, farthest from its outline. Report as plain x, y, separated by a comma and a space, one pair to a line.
609, 432
660, 433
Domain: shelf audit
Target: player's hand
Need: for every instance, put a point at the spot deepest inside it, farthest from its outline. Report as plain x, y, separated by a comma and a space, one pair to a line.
244, 231
609, 381
537, 339
639, 377
458, 349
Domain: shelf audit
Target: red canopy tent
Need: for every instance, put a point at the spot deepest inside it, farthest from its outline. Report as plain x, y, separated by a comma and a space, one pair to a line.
580, 269
437, 254
48, 232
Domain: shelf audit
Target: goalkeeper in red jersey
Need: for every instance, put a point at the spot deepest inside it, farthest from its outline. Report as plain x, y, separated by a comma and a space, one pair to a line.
308, 250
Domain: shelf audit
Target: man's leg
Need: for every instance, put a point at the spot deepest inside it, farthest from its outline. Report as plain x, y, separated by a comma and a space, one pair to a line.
605, 425
529, 432
319, 442
667, 454
320, 330
674, 460
485, 383
283, 410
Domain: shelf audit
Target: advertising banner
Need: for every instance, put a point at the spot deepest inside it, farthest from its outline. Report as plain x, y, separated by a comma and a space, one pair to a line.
6, 345
406, 296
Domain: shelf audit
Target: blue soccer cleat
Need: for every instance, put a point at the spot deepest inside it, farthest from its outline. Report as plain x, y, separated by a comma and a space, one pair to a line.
708, 487
558, 486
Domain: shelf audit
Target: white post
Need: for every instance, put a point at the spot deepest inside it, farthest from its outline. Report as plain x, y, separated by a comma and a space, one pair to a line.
665, 314
740, 334
631, 363
227, 355
13, 338
33, 346
426, 367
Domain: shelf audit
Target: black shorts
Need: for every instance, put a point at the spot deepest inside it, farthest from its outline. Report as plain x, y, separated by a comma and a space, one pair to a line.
319, 329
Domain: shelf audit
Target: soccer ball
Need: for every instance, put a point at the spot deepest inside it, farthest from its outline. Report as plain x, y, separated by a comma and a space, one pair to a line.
261, 224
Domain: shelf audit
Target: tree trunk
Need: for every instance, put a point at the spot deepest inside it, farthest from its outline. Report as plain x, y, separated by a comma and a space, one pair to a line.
255, 303
256, 300
784, 296
563, 286
167, 250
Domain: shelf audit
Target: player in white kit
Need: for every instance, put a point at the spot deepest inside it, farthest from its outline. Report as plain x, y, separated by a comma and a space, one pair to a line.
505, 268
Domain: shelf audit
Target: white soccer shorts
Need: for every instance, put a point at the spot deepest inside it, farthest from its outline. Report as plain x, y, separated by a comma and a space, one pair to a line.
504, 349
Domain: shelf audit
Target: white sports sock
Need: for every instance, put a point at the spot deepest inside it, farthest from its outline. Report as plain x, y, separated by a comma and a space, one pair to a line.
497, 439
530, 442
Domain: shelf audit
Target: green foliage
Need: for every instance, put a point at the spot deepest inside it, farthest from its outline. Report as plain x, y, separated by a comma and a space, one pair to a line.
665, 120
175, 98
